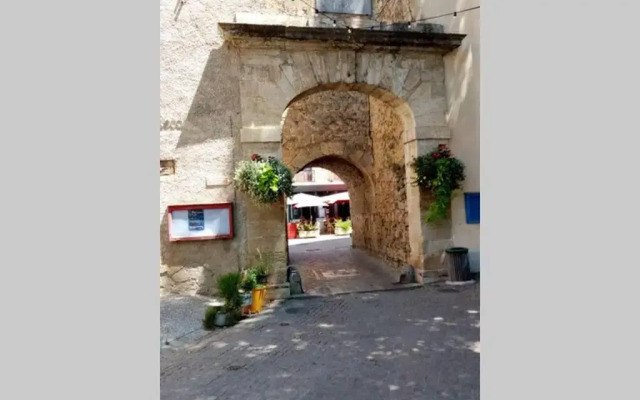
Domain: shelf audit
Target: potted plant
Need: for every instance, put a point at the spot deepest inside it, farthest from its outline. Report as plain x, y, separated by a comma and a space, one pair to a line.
228, 287
249, 283
441, 174
257, 298
308, 229
342, 228
208, 322
263, 267
252, 292
264, 181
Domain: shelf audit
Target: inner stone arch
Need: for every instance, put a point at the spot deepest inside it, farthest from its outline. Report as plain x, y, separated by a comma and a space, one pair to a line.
360, 138
392, 100
361, 195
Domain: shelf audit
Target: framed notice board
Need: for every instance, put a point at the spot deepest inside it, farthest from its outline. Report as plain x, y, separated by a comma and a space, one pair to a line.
200, 222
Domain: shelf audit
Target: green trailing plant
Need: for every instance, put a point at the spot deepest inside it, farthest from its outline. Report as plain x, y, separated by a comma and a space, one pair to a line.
264, 181
209, 318
228, 286
442, 175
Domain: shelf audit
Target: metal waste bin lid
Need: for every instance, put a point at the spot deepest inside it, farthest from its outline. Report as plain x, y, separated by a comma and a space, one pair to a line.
457, 250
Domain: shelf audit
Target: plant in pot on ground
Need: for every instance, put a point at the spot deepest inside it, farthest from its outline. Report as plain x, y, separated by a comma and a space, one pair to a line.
342, 227
253, 292
263, 267
308, 229
249, 283
208, 323
441, 174
264, 181
229, 289
250, 280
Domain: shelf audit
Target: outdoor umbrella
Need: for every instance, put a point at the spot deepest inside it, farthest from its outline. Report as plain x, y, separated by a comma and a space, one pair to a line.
338, 197
301, 200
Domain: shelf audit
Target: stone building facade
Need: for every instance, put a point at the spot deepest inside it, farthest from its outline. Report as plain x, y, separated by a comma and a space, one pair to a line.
362, 104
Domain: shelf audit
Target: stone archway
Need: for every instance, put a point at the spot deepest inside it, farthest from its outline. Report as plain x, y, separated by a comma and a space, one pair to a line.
361, 194
401, 76
358, 137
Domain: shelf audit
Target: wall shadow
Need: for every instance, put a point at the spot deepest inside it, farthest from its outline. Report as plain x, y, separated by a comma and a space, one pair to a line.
215, 109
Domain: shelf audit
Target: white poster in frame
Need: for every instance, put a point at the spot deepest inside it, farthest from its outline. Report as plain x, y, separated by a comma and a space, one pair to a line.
200, 222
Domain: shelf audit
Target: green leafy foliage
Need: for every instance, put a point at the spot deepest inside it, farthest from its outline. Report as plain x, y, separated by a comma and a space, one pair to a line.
264, 181
307, 226
285, 177
441, 174
250, 280
208, 322
344, 225
228, 286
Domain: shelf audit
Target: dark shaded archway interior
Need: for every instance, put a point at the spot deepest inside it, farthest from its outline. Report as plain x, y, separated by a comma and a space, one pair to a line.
360, 139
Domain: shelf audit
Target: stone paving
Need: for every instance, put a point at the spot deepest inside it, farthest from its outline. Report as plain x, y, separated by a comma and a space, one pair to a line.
181, 318
329, 265
413, 344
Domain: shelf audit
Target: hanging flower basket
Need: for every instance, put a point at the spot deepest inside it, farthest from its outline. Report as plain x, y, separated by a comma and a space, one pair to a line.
264, 181
441, 174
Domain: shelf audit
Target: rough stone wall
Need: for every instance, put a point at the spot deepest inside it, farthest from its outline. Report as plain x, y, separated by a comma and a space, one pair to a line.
394, 10
462, 79
360, 139
389, 213
199, 129
361, 195
319, 131
326, 120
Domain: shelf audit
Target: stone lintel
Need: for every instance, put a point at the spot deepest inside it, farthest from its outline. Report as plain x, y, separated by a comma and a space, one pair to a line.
264, 134
336, 37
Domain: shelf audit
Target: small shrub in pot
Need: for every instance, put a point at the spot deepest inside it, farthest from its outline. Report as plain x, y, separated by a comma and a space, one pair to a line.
229, 289
208, 323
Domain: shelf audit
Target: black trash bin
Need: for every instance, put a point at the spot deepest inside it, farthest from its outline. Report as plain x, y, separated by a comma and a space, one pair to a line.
458, 264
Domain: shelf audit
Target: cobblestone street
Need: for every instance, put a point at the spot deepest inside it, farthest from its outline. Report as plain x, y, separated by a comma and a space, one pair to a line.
412, 344
329, 265
181, 318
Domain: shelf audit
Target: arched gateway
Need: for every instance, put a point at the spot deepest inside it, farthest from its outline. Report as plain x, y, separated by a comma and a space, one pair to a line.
362, 104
